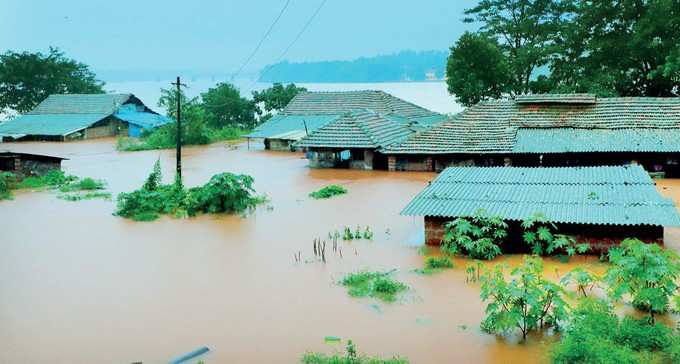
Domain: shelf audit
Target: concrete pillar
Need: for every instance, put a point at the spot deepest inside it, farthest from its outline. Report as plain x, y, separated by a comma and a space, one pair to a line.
392, 163
368, 159
17, 164
428, 164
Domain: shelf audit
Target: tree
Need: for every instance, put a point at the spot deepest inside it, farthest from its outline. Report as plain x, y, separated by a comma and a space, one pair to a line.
527, 302
224, 106
168, 101
525, 30
276, 97
647, 272
622, 48
477, 70
26, 79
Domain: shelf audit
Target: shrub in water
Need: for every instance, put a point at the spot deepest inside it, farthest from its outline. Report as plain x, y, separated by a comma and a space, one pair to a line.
478, 236
351, 357
7, 183
328, 192
373, 284
438, 262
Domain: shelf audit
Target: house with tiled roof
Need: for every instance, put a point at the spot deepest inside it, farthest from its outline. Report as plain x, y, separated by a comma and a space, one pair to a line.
308, 111
601, 205
550, 130
352, 139
83, 116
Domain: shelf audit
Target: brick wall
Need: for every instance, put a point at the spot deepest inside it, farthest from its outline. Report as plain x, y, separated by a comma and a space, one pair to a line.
434, 230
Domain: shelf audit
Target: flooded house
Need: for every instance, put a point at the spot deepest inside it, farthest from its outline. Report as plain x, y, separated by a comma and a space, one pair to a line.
550, 130
600, 205
27, 164
309, 111
353, 140
63, 117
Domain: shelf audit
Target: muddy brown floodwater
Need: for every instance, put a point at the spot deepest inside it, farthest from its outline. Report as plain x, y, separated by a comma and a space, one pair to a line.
79, 285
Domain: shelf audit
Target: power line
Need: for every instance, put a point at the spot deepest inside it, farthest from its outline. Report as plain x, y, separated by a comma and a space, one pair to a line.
257, 48
297, 37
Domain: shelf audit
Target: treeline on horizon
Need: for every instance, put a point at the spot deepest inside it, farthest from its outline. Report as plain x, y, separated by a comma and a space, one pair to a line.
402, 66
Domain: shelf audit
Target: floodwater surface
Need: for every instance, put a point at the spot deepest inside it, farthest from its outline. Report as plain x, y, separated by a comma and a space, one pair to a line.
80, 285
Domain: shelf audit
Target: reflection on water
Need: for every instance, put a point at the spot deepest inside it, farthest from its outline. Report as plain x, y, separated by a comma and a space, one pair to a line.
80, 285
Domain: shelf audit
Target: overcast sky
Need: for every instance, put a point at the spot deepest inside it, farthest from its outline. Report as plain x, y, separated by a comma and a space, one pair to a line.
214, 35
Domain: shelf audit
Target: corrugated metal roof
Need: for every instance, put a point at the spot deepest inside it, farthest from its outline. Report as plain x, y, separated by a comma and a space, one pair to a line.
81, 104
491, 126
357, 129
282, 124
623, 195
144, 119
572, 140
48, 125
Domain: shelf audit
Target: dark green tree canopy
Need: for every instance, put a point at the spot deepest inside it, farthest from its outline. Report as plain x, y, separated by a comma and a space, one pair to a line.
26, 78
224, 106
277, 96
477, 69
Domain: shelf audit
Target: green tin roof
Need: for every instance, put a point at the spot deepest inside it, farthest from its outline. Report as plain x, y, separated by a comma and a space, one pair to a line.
492, 126
48, 125
357, 129
280, 125
578, 140
623, 195
60, 115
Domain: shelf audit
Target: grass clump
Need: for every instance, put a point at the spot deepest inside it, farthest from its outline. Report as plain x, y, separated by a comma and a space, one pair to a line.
7, 183
71, 186
435, 264
373, 284
351, 357
597, 335
328, 192
224, 193
85, 196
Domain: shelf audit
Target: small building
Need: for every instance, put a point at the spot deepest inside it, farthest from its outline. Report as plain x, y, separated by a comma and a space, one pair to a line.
551, 130
83, 116
353, 140
308, 111
27, 164
601, 205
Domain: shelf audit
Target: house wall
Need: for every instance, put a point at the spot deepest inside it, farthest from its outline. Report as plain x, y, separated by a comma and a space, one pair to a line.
278, 144
601, 237
106, 128
410, 163
24, 166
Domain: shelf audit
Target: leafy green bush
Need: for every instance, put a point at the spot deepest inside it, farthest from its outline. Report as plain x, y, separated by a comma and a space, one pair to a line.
527, 302
647, 272
596, 335
373, 284
224, 193
7, 182
328, 192
478, 236
438, 262
194, 132
585, 281
539, 234
350, 357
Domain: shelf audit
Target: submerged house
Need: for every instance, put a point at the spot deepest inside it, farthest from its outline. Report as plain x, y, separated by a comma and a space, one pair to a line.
601, 205
551, 130
353, 139
27, 164
83, 116
309, 111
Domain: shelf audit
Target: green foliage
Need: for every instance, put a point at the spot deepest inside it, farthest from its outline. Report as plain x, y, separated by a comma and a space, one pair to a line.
347, 234
26, 79
539, 234
473, 271
477, 69
328, 192
596, 335
7, 182
583, 280
224, 193
527, 302
85, 196
647, 272
438, 262
224, 106
85, 184
351, 357
368, 234
478, 236
373, 284
276, 97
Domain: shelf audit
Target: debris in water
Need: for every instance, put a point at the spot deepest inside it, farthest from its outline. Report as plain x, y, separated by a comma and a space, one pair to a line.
332, 339
375, 307
190, 355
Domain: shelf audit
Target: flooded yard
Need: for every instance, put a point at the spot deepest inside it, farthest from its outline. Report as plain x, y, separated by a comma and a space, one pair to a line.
79, 285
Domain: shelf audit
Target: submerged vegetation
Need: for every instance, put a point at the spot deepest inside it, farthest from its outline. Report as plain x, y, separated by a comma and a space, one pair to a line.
70, 186
540, 234
351, 357
435, 264
373, 284
478, 236
224, 193
328, 192
165, 137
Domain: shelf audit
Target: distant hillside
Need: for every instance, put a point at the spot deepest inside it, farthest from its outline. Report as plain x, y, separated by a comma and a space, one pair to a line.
403, 66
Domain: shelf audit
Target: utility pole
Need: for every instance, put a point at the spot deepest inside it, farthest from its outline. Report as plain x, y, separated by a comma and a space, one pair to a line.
179, 131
